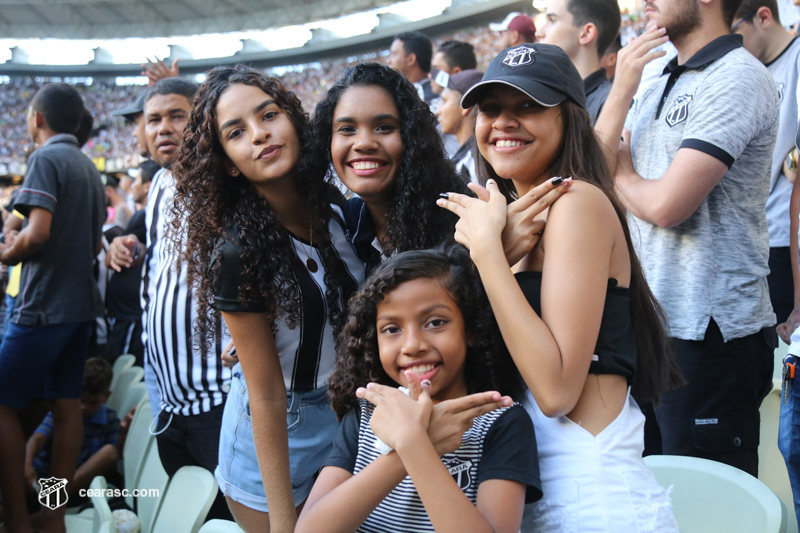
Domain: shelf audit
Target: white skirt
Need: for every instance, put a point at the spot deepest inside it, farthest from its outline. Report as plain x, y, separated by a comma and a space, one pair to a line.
596, 483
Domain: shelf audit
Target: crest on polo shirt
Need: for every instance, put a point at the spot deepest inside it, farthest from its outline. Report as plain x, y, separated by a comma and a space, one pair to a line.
781, 87
679, 111
521, 55
460, 471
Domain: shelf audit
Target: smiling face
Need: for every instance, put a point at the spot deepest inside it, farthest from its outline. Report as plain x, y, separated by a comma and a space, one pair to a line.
166, 116
518, 137
420, 328
366, 146
256, 134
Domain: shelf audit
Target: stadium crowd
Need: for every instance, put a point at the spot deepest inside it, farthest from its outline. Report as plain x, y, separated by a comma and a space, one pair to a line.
463, 285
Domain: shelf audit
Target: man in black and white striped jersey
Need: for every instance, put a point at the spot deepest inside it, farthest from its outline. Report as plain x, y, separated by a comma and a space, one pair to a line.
191, 386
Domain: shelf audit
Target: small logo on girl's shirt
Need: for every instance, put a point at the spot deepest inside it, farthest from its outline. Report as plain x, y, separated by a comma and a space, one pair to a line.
460, 471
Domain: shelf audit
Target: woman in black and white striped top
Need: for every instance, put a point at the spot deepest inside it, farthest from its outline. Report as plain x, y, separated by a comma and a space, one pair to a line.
267, 248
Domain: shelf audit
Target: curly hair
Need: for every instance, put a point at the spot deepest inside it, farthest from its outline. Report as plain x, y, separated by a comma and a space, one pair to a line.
488, 365
211, 206
414, 222
581, 156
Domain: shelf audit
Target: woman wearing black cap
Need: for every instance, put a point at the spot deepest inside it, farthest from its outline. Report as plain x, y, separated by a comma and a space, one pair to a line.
579, 320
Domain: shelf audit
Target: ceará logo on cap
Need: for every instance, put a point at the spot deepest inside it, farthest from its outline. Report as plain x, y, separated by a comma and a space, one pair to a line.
521, 55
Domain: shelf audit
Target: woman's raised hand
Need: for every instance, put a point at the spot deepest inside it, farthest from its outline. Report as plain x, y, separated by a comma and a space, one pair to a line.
482, 221
522, 230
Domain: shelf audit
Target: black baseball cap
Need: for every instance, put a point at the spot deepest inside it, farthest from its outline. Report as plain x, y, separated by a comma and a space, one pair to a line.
542, 71
132, 110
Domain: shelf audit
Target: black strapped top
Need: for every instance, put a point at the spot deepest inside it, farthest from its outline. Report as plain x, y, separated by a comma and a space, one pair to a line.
615, 352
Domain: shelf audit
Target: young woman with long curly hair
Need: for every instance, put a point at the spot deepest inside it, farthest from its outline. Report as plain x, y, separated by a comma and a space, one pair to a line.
265, 243
579, 319
422, 315
383, 145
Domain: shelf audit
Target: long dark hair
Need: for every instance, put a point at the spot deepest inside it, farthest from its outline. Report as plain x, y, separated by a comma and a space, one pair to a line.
488, 366
581, 156
211, 206
413, 220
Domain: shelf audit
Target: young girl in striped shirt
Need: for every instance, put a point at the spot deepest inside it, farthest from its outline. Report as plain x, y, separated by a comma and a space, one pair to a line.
421, 321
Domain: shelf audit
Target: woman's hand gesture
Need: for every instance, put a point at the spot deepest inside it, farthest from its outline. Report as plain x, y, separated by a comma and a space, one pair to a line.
482, 221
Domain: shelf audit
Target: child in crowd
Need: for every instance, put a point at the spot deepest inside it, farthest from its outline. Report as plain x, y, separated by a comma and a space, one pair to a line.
579, 319
103, 433
420, 321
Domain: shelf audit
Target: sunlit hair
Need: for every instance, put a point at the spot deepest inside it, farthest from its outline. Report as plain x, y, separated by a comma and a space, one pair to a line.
414, 221
581, 157
210, 206
487, 366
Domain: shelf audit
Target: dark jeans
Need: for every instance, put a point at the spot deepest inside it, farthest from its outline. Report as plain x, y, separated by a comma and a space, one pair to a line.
781, 283
716, 415
125, 336
193, 441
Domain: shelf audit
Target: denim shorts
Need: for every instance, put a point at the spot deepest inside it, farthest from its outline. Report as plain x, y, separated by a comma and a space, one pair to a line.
312, 427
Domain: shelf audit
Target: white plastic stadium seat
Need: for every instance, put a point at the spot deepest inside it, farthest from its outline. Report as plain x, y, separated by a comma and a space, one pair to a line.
127, 377
709, 496
189, 496
220, 526
137, 444
97, 517
123, 361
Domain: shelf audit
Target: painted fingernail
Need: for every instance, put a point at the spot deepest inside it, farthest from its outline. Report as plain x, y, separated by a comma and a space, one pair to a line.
557, 181
445, 195
370, 385
426, 383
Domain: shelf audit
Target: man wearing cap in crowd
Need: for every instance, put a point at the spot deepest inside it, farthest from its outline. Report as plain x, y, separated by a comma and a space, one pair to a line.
451, 57
134, 114
455, 120
516, 29
584, 29
693, 170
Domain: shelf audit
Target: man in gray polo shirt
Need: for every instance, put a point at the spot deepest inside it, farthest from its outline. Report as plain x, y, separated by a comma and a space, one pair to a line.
694, 171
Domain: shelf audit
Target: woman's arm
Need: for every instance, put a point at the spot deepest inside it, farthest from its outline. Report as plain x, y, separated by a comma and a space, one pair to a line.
552, 352
258, 356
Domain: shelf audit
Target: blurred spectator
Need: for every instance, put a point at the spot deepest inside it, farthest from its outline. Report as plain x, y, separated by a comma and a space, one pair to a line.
48, 337
411, 53
457, 121
609, 59
516, 29
584, 29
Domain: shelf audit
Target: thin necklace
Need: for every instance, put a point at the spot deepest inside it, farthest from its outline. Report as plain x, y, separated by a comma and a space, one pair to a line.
310, 263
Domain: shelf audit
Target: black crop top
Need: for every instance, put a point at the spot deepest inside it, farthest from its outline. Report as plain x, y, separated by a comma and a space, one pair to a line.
616, 344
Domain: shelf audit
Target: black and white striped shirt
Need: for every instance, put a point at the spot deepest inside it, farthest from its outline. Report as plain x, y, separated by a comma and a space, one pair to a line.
189, 383
308, 351
500, 445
